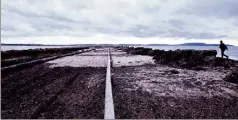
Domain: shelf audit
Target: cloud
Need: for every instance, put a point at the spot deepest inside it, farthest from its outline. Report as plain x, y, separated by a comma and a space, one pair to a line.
222, 9
84, 21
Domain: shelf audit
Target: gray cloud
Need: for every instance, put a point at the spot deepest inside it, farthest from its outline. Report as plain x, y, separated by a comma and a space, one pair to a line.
191, 35
188, 19
217, 8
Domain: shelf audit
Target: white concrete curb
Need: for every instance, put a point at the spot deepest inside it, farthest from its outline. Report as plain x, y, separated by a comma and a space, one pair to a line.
109, 106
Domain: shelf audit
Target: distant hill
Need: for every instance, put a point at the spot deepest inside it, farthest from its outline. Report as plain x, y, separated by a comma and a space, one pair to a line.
201, 44
184, 44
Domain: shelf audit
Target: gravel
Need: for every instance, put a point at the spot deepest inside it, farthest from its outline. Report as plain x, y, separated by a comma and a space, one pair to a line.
56, 90
153, 92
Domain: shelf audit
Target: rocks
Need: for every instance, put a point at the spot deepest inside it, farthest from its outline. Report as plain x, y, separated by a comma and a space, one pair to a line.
174, 71
198, 68
139, 51
156, 52
232, 76
224, 62
185, 58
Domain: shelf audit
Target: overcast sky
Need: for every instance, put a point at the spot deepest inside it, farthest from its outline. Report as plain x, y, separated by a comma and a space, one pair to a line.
119, 21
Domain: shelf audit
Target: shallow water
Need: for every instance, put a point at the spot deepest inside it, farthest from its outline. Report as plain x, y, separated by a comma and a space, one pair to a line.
7, 47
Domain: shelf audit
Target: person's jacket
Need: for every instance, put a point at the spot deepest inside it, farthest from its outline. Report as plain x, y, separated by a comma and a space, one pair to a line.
223, 46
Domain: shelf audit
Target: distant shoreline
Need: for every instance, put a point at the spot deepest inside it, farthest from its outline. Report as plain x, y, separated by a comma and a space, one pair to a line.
32, 45
184, 44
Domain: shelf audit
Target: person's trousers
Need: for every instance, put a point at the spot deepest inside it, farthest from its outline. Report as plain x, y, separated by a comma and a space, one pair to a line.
223, 54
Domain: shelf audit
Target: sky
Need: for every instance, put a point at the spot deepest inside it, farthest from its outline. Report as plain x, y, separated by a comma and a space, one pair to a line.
119, 21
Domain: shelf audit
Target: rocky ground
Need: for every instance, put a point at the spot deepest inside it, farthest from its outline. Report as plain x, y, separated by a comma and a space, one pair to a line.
164, 92
152, 91
12, 57
74, 86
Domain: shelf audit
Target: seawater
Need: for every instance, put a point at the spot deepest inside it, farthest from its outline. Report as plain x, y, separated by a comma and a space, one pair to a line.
20, 47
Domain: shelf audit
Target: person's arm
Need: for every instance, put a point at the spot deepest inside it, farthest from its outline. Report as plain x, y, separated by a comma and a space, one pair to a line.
226, 47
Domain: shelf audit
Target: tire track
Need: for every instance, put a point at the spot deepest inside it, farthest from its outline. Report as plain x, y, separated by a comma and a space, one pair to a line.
51, 100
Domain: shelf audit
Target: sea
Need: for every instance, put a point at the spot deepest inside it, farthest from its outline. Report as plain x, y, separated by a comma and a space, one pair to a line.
23, 47
232, 52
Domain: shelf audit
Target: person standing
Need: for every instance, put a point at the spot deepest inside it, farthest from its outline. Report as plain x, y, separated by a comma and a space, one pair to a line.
223, 47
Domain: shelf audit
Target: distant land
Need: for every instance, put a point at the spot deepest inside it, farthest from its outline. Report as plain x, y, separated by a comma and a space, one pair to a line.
184, 44
201, 44
55, 44
31, 45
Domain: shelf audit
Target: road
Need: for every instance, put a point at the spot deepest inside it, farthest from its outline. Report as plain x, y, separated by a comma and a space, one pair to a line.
74, 87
